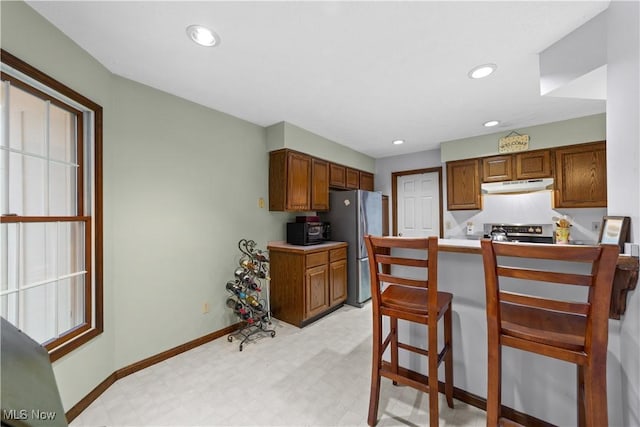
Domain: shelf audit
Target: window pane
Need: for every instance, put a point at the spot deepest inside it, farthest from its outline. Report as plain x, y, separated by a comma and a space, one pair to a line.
27, 123
33, 253
27, 185
9, 257
70, 248
9, 307
62, 145
39, 313
70, 303
62, 190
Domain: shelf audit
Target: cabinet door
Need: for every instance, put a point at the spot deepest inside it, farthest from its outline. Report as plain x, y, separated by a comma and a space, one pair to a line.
366, 181
337, 176
337, 282
497, 168
581, 176
298, 182
353, 179
316, 290
319, 185
535, 164
463, 185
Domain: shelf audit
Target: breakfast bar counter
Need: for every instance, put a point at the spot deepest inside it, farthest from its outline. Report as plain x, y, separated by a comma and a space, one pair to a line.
533, 386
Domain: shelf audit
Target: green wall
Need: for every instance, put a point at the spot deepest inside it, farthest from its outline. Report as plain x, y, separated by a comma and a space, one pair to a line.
187, 181
181, 187
566, 132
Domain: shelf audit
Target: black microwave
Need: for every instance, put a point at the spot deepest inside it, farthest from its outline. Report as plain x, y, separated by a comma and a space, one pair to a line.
308, 233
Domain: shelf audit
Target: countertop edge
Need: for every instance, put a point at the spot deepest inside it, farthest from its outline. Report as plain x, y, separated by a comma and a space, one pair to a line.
460, 249
284, 246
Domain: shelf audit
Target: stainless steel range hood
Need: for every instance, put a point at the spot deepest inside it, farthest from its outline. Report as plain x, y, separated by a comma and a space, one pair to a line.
526, 186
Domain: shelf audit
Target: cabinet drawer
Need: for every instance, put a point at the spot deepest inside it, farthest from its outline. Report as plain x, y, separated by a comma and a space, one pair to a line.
336, 254
318, 258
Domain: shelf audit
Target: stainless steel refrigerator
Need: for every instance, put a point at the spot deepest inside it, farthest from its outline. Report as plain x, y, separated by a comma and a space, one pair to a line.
353, 215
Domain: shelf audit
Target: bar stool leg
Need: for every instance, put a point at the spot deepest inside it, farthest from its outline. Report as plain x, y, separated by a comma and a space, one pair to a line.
433, 374
595, 394
448, 359
580, 395
393, 322
494, 376
376, 361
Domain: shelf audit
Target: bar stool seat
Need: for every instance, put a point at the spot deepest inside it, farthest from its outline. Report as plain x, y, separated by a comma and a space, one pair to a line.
412, 300
405, 287
544, 326
571, 330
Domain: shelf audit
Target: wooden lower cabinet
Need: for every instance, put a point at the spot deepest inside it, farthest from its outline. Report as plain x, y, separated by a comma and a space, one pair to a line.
307, 282
337, 276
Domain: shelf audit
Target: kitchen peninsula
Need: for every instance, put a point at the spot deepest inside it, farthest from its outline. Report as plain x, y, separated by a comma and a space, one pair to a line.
549, 394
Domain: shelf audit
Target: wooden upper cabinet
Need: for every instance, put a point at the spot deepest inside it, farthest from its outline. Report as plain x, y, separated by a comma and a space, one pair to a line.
527, 165
581, 176
497, 168
366, 181
533, 164
353, 179
463, 185
289, 181
298, 181
337, 176
319, 185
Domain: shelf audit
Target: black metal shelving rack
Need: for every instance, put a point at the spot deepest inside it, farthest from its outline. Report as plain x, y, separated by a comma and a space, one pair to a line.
251, 279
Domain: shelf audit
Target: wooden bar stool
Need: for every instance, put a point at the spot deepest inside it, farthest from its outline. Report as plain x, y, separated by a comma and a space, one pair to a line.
572, 331
414, 300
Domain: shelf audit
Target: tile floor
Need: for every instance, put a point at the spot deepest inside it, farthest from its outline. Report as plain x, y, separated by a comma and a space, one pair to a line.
315, 376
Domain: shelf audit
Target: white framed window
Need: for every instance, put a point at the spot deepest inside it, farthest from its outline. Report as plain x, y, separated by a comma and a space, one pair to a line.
51, 207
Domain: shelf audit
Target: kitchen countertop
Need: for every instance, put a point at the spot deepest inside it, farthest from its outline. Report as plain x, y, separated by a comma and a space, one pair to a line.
467, 246
282, 245
445, 245
460, 246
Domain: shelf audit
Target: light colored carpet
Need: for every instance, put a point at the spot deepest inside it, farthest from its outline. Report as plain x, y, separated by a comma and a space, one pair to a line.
315, 376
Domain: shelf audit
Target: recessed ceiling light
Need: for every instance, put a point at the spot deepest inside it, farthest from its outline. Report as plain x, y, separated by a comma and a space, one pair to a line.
482, 71
398, 141
491, 123
202, 35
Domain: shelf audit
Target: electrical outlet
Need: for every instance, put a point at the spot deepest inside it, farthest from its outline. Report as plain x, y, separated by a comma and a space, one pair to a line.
205, 308
595, 226
261, 203
447, 225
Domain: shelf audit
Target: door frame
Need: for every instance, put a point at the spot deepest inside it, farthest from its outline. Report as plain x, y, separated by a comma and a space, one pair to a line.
394, 194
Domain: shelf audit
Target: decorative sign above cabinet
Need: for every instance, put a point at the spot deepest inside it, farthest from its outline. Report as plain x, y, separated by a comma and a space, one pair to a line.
513, 142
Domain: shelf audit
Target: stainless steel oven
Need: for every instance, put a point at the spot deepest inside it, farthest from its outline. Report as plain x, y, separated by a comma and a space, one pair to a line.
525, 233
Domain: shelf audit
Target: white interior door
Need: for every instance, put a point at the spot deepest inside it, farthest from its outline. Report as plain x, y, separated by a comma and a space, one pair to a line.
418, 205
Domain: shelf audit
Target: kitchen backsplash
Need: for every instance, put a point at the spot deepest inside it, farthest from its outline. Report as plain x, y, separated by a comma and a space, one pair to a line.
528, 208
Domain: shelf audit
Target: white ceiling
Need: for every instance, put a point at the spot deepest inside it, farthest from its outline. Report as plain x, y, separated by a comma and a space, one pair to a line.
359, 73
